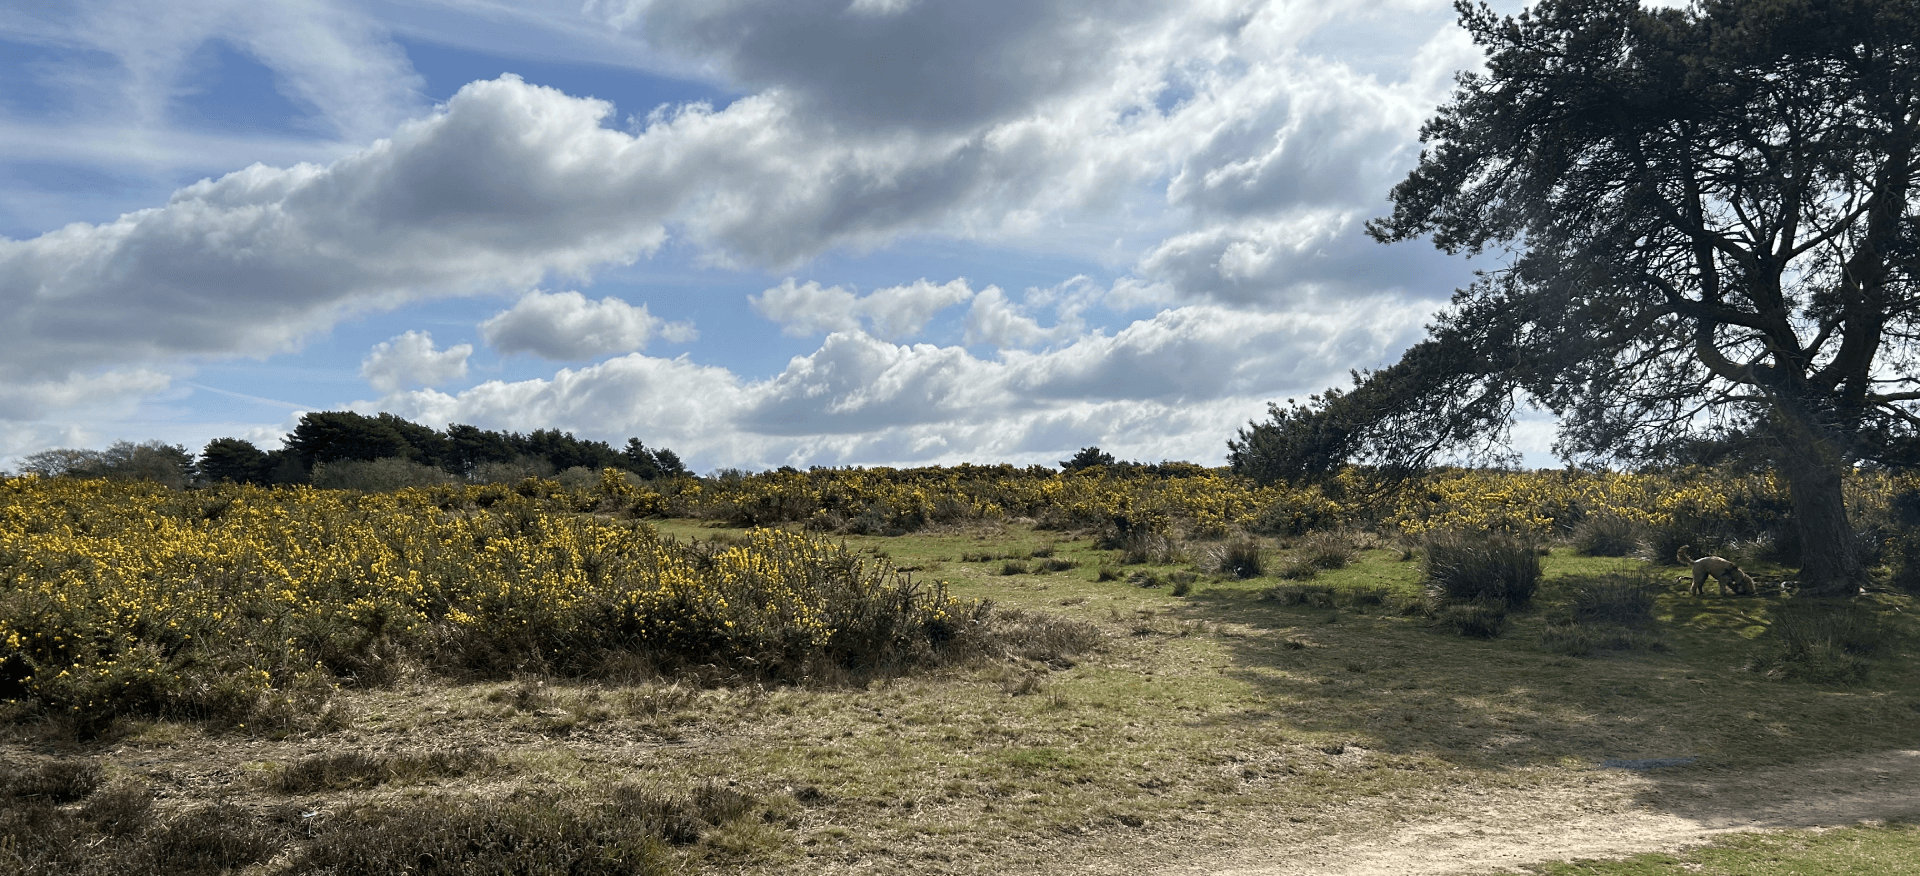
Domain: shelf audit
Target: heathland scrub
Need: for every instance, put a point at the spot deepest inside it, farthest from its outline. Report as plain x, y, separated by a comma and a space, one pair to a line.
1235, 728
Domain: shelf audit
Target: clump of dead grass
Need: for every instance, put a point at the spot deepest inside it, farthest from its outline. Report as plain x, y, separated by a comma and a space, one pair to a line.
1239, 557
630, 831
342, 770
1821, 641
115, 828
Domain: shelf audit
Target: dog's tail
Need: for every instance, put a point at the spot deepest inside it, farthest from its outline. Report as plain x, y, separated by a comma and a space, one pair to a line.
1685, 558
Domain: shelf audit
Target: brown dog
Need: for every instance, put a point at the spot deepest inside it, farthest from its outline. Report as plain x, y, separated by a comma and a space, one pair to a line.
1722, 570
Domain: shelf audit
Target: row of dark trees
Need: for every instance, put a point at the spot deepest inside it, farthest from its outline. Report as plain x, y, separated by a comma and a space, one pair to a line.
1095, 459
328, 437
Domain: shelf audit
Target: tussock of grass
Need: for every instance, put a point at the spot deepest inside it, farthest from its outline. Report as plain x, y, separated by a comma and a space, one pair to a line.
1580, 640
62, 780
1326, 550
1820, 641
1038, 636
1479, 619
1488, 567
1627, 600
117, 831
630, 832
1238, 557
1317, 552
335, 771
1146, 546
1607, 535
1310, 595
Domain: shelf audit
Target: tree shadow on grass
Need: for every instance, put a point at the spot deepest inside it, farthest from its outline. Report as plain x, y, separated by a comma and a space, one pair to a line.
1397, 684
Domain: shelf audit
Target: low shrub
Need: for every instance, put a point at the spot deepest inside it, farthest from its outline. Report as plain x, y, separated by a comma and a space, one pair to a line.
630, 832
1150, 547
1481, 567
344, 770
1310, 595
256, 616
1820, 642
1239, 557
1326, 550
116, 831
54, 781
1580, 640
1627, 600
1479, 618
1664, 542
378, 475
1606, 535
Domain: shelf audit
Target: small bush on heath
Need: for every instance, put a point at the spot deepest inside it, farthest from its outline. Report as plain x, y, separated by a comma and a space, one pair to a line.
1820, 641
1479, 618
1627, 600
1579, 640
1482, 567
1150, 547
379, 475
1310, 595
1239, 557
1606, 535
1326, 550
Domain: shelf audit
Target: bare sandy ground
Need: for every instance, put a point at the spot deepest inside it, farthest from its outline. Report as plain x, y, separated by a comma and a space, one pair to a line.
1610, 813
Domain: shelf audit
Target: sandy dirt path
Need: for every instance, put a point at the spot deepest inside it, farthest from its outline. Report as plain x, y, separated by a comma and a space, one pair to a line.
1610, 813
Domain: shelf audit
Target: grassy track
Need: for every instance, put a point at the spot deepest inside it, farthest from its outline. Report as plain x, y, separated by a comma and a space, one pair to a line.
1859, 851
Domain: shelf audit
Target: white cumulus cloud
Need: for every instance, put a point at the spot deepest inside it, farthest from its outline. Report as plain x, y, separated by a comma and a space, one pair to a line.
569, 326
411, 360
1173, 386
893, 313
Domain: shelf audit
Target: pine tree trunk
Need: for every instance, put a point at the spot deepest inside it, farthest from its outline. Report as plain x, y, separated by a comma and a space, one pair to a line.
1815, 473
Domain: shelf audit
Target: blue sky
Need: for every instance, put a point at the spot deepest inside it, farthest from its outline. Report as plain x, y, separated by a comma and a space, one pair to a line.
759, 232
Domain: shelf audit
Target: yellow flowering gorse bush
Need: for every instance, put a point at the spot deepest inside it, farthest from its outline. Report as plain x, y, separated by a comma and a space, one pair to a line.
123, 598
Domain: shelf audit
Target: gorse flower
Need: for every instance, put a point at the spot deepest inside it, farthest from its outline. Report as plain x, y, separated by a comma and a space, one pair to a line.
123, 598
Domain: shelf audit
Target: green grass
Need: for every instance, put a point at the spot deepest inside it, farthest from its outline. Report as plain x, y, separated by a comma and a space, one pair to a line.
1852, 851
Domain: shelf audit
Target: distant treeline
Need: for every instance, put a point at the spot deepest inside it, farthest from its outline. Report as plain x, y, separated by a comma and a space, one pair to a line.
383, 447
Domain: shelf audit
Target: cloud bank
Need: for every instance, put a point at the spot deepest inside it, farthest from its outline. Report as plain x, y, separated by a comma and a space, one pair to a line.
1218, 157
861, 398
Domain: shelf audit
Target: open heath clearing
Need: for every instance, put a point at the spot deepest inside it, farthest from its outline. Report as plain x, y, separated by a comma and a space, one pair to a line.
537, 679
